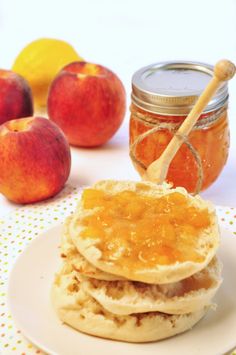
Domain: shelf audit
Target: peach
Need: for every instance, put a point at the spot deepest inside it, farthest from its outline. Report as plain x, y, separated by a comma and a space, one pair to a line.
35, 159
15, 96
88, 102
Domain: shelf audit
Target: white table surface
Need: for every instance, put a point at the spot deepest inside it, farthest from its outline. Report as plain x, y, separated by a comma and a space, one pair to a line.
124, 36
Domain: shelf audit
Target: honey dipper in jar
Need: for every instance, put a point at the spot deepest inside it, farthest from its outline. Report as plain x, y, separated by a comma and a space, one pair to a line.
162, 96
139, 261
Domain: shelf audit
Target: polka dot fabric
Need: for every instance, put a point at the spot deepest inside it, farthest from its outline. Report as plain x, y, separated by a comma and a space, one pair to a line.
16, 231
25, 224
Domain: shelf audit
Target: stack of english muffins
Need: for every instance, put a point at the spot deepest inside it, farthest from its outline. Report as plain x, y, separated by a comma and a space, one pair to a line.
139, 262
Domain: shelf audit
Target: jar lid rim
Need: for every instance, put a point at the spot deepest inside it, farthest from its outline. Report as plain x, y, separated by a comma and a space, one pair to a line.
174, 86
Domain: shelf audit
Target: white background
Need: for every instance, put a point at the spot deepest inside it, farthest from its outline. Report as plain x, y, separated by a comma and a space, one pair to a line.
124, 36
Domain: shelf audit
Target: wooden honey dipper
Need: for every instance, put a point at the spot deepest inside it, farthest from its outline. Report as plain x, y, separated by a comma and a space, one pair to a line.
157, 171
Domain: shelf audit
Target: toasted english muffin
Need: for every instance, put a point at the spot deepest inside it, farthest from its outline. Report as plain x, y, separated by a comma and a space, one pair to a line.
121, 260
187, 295
82, 312
71, 255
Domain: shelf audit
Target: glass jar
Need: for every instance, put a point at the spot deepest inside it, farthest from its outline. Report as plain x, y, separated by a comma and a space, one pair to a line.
162, 96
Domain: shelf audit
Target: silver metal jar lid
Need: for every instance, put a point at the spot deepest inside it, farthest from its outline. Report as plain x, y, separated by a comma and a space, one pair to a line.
172, 88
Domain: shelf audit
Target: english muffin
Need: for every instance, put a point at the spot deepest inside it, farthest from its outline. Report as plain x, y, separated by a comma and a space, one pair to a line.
81, 311
144, 232
127, 297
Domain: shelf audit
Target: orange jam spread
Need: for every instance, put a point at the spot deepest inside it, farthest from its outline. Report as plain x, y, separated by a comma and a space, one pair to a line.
139, 231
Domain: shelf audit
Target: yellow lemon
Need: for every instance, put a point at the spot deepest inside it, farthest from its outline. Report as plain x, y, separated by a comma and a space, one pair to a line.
40, 61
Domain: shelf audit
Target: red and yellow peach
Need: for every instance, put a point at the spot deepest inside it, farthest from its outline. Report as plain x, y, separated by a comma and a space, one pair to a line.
15, 96
88, 102
35, 159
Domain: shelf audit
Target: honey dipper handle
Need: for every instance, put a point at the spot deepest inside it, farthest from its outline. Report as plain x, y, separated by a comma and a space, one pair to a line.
157, 170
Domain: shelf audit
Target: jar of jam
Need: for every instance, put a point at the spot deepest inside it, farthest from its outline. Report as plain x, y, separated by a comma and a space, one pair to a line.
162, 96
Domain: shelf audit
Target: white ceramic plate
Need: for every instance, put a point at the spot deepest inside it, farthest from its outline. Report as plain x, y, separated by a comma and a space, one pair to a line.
29, 301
